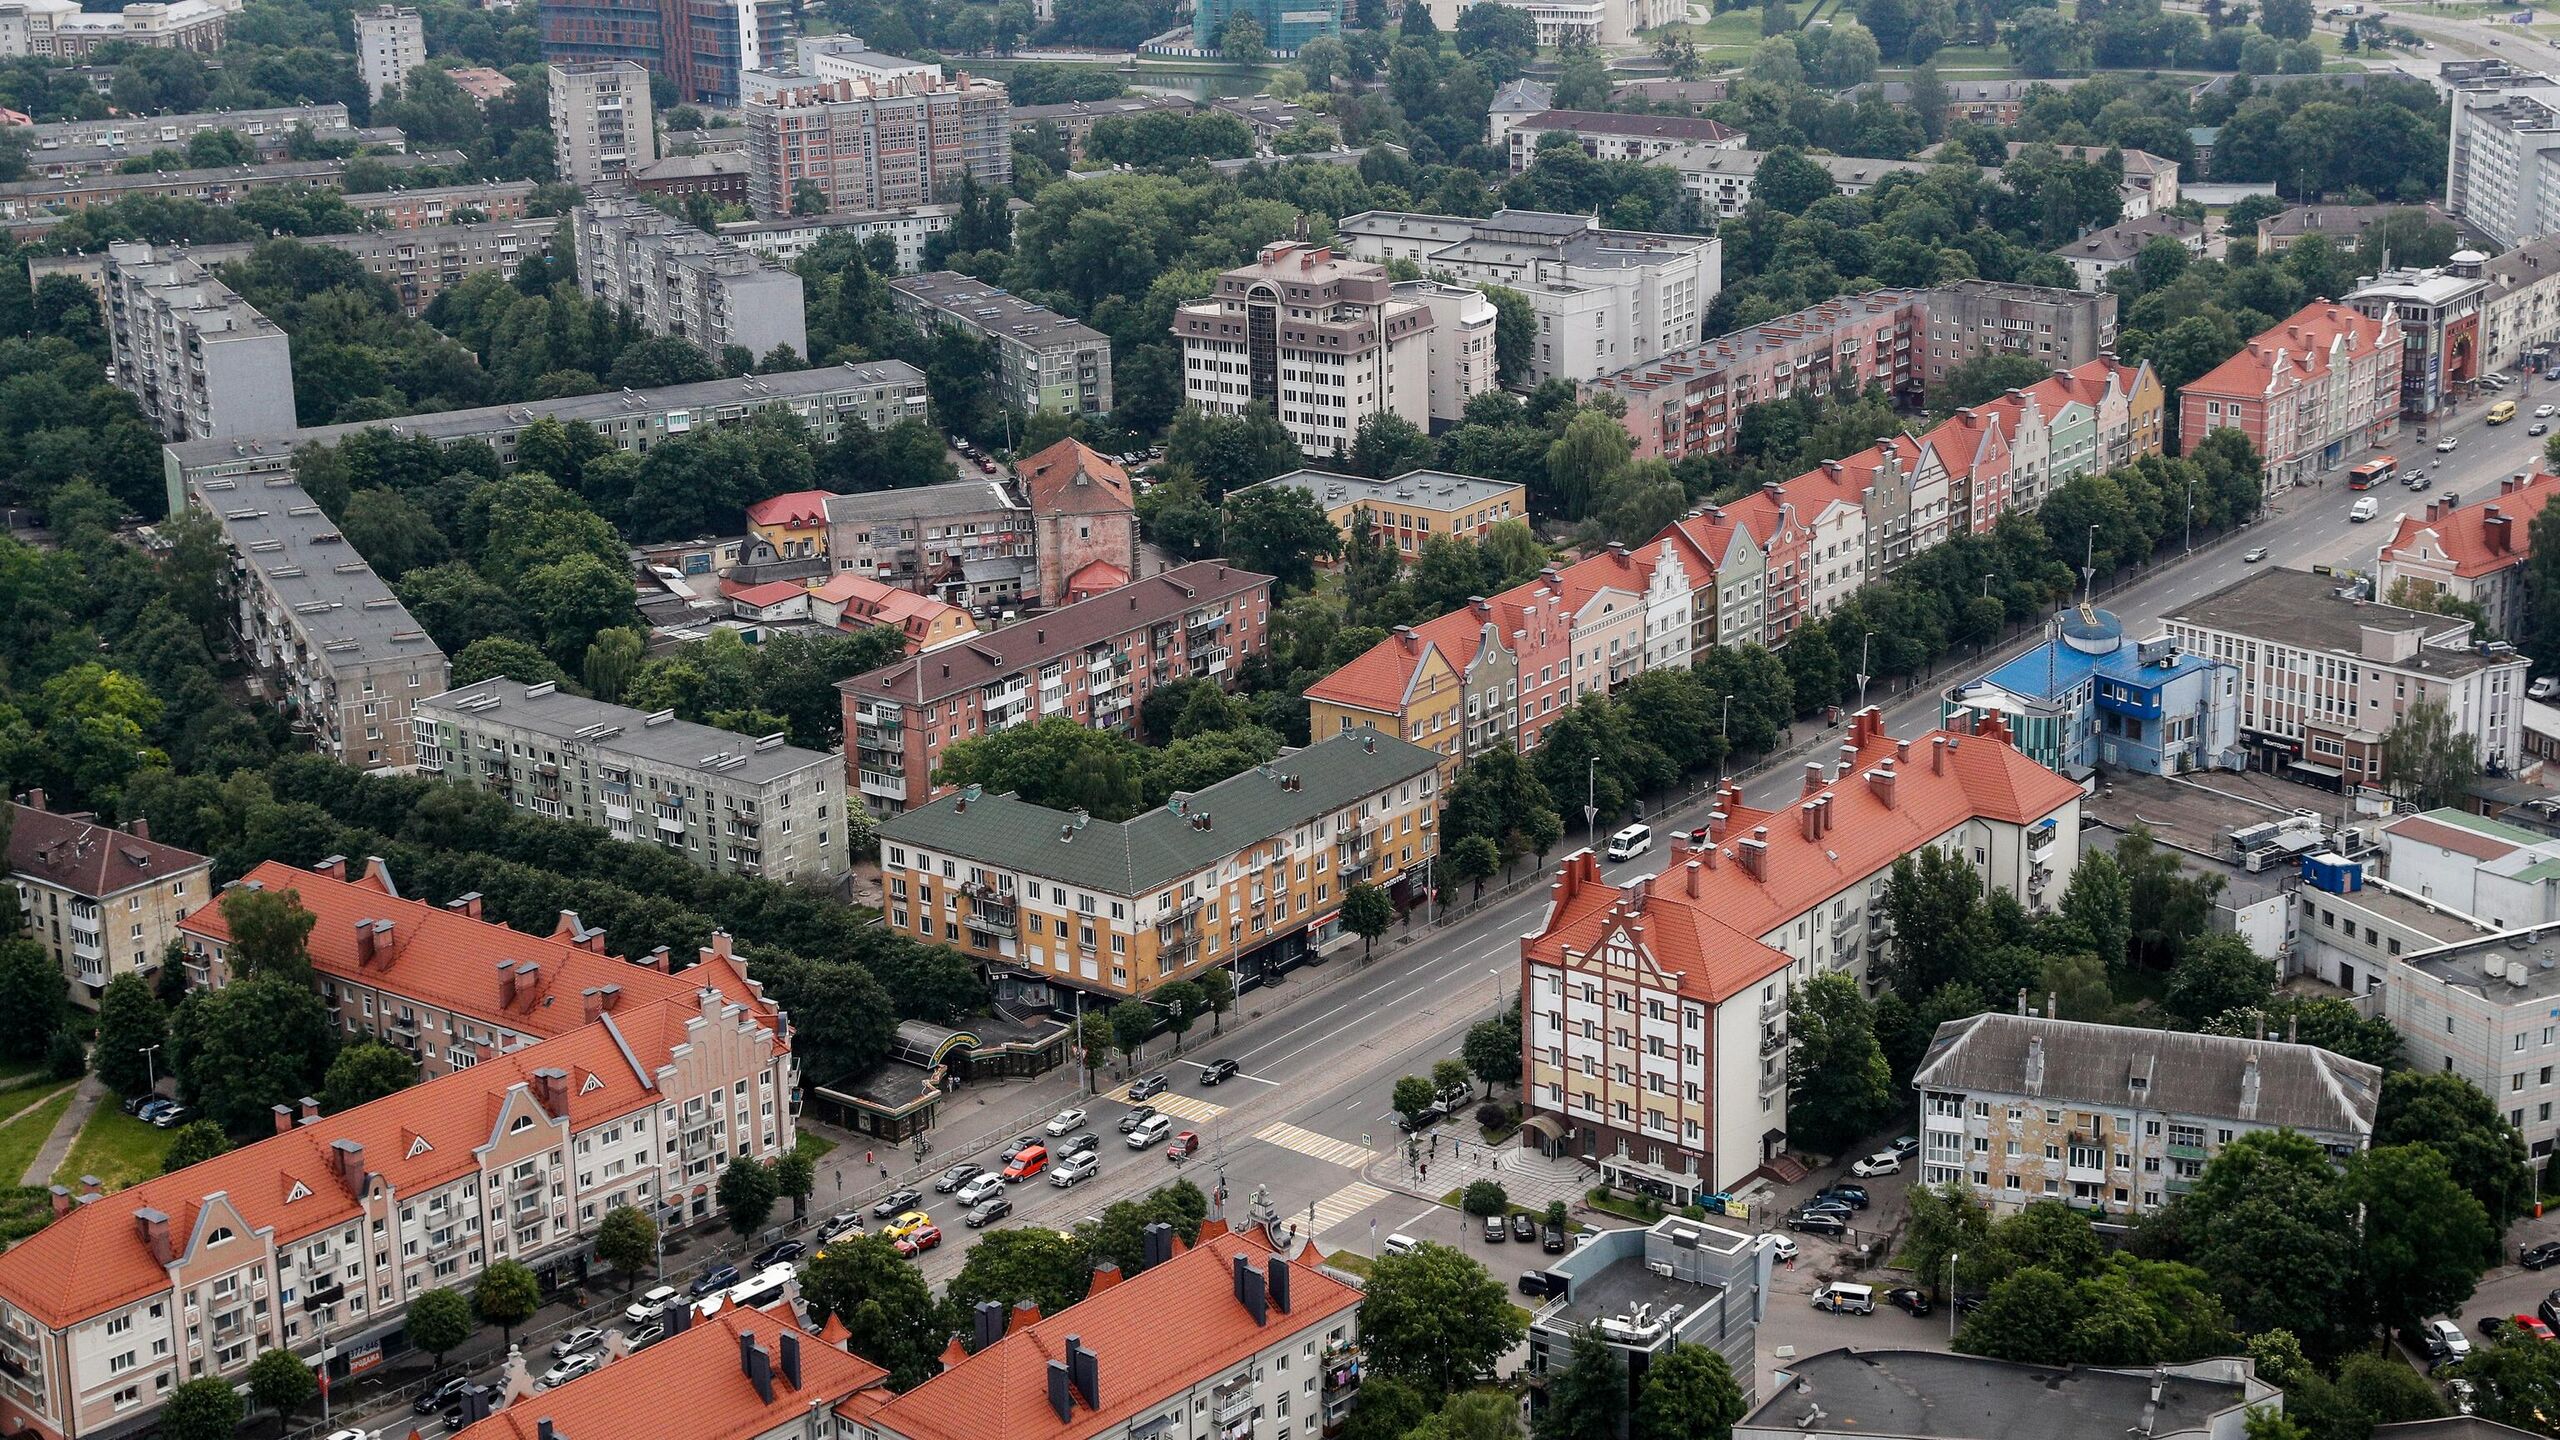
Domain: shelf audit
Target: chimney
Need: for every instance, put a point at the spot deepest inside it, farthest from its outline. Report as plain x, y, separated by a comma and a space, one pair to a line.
1755, 852
590, 1004
1061, 1400
310, 1109
2035, 1058
333, 866
1809, 820
790, 1345
1689, 878
1812, 776
466, 904
551, 1088
347, 1158
507, 984
1156, 1245
1638, 891
284, 1118
1105, 1275
529, 981
1086, 1370
1024, 1315
139, 827
35, 797
544, 1430
1249, 1290
364, 943
757, 1365
2498, 529
1880, 780
987, 1318
2022, 999
1277, 1273
153, 1227
662, 961
61, 1201
1937, 754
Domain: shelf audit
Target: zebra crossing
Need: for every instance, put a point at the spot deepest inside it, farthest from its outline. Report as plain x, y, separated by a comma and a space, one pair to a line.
1340, 1206
1180, 1107
1323, 1147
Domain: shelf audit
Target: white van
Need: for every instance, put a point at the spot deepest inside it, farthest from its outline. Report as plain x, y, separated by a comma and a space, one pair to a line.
2364, 509
1845, 1299
1402, 1244
1631, 842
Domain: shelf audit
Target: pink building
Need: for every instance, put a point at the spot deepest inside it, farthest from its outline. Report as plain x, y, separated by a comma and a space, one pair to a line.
1689, 402
2310, 393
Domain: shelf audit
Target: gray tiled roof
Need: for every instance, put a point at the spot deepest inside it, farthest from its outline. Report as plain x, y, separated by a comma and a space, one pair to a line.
1164, 844
575, 719
922, 502
2302, 1086
1918, 1393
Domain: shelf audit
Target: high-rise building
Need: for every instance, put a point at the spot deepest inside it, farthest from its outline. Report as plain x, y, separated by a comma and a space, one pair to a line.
1320, 339
1044, 361
703, 47
2502, 151
875, 144
202, 360
602, 123
683, 283
1286, 24
391, 41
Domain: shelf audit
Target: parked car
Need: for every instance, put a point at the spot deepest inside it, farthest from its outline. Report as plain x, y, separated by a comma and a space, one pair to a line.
1136, 1118
1524, 1227
2444, 1341
1841, 1208
148, 1106
170, 1115
1551, 1239
1430, 1115
842, 1225
1818, 1224
1905, 1146
1496, 1230
440, 1392
987, 1211
1781, 1246
2531, 1325
2253, 554
1218, 1070
1064, 1121
452, 1409
568, 1369
780, 1252
957, 1176
646, 1308
1903, 1297
717, 1278
1854, 1194
919, 1241
1883, 1162
640, 1337
2549, 1309
1082, 1165
2458, 1393
1540, 1284
2544, 688
585, 1337
2539, 1257
1148, 1087
908, 1224
980, 1188
133, 1105
902, 1198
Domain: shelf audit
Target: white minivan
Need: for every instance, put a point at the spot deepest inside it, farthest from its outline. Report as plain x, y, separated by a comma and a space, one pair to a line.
1843, 1299
1631, 842
2363, 510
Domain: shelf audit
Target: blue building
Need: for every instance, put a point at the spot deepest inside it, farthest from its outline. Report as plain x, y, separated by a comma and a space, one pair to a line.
1286, 24
2086, 698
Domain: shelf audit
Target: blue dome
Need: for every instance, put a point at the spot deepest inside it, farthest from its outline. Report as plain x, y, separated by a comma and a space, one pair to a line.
2092, 631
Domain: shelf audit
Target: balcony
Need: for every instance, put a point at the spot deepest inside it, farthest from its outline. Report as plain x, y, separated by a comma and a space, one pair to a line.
1772, 1043
89, 945
1231, 1403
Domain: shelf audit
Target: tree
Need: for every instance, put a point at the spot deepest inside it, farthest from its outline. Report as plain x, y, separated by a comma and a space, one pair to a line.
1689, 1394
206, 1409
2098, 902
1240, 41
1218, 992
882, 1298
1280, 531
438, 1321
1388, 1410
1789, 183
1132, 1021
507, 1296
1492, 1049
1987, 377
2427, 761
2425, 1239
2450, 1115
1838, 1085
795, 1178
627, 1241
2170, 904
611, 662
747, 1191
270, 934
2219, 973
2027, 1317
2286, 19
365, 1070
2515, 1382
1387, 444
1473, 1415
1435, 1319
1095, 1040
1483, 1198
242, 1049
1515, 331
496, 656
1474, 860
281, 1381
1031, 1262
1587, 1397
130, 1022
1589, 454
1931, 898
193, 1144
1413, 1095
1367, 912
2269, 1222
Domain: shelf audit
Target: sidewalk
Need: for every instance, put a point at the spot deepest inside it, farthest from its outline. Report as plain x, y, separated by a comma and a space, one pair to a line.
1529, 1178
57, 1146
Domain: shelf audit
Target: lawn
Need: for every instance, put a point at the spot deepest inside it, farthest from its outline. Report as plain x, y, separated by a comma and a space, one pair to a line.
116, 1148
813, 1145
19, 1142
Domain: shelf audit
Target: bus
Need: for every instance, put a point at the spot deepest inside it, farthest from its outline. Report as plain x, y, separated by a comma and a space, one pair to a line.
2372, 472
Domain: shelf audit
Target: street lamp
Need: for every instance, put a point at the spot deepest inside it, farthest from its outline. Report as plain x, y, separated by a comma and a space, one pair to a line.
1591, 802
1724, 739
1951, 1295
2191, 511
2089, 568
150, 1068
1862, 668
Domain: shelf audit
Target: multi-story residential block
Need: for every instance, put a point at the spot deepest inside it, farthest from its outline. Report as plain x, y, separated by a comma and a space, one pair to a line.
1411, 510
1462, 364
1320, 340
2059, 329
704, 47
1605, 299
970, 543
877, 393
339, 651
790, 238
60, 31
1092, 661
22, 199
1084, 521
2505, 136
2118, 1119
1682, 1282
1929, 1393
2343, 226
71, 162
2101, 253
731, 803
2520, 313
602, 122
417, 264
1563, 24
1248, 874
1721, 177
2474, 553
269, 132
1609, 135
202, 361
446, 204
869, 145
2312, 394
391, 41
1044, 361
831, 57
2323, 679
1653, 1013
1518, 98
103, 901
2086, 699
681, 282
1286, 24
2464, 995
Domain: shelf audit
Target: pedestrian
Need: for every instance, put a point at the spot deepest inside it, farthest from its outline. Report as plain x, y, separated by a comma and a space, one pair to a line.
884, 1172
870, 1159
1497, 1164
839, 1179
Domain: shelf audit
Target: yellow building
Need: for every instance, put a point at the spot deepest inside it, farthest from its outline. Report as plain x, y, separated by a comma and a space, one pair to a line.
795, 525
1407, 684
1412, 507
102, 901
2147, 402
1248, 874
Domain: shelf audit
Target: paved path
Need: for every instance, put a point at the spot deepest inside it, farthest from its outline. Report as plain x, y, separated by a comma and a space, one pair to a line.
1528, 1177
57, 1146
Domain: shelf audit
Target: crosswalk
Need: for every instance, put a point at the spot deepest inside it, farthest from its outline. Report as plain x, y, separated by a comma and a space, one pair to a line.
1180, 1107
1341, 1205
1322, 1147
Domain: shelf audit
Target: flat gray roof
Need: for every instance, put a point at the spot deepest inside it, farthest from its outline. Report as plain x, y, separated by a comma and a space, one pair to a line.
923, 502
575, 719
1438, 489
283, 172
2296, 607
346, 610
999, 312
1918, 1393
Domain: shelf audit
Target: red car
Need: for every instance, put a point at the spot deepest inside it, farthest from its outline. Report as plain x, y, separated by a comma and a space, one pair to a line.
918, 1242
2532, 1325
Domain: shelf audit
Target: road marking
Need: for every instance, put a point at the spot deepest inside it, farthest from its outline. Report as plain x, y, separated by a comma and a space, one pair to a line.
1342, 1204
1184, 1107
1418, 1219
1321, 1147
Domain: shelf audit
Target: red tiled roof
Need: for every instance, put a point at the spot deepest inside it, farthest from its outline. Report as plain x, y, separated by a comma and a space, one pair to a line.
771, 592
1378, 677
2293, 352
1096, 578
446, 959
2462, 535
1153, 1335
798, 510
701, 1373
869, 602
88, 858
2451, 837
95, 1258
1070, 478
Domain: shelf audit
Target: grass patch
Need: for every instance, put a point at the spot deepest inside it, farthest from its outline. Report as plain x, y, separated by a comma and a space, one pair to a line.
813, 1145
1352, 1262
20, 1142
116, 1148
24, 1210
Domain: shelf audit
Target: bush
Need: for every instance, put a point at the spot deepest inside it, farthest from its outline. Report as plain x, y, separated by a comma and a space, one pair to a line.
1492, 1115
64, 1057
1484, 1197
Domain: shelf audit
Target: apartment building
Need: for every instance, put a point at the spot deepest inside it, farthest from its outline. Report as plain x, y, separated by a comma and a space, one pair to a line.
721, 175
102, 900
971, 543
1319, 339
2324, 678
2059, 329
484, 85
790, 238
1286, 24
1084, 521
855, 603
24, 199
417, 264
1461, 358
1410, 510
2101, 253
1966, 1397
1248, 874
602, 123
2474, 553
1605, 299
2150, 182
1092, 661
314, 1240
831, 57
201, 360
391, 41
341, 655
1610, 135
877, 393
2505, 138
412, 209
69, 162
705, 48
2117, 1119
730, 803
1653, 1013
2520, 313
1563, 24
1516, 99
1044, 361
682, 283
60, 31
876, 144
269, 131
1722, 177
1980, 102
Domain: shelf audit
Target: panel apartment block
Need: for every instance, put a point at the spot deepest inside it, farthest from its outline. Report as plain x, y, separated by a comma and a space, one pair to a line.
21, 199
60, 30
417, 264
876, 144
601, 121
268, 131
732, 803
202, 361
391, 41
683, 283
342, 655
1044, 361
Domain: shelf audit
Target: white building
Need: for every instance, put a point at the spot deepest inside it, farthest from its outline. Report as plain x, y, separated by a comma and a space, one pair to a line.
1721, 176
1605, 299
391, 41
1462, 360
202, 360
788, 239
601, 121
830, 57
683, 283
2502, 166
60, 30
1320, 339
2520, 313
1575, 22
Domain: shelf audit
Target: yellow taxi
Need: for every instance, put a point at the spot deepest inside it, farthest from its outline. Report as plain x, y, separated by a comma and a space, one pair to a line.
907, 1224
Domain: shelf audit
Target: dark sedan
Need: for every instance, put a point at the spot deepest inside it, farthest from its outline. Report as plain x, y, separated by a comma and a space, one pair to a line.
2539, 1257
1903, 1297
905, 1197
1524, 1227
718, 1277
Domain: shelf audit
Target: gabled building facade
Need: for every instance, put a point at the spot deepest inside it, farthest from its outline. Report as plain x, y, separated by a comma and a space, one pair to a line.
2474, 553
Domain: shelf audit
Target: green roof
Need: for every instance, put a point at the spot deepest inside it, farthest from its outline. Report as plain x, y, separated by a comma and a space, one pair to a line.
2482, 825
1165, 844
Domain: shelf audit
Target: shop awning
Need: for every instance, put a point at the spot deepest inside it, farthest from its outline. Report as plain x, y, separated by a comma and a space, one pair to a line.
2331, 772
1546, 1127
